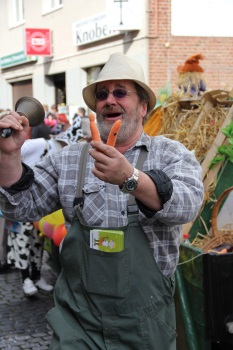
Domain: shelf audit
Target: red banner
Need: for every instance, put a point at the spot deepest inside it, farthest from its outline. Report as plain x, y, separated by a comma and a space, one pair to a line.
37, 42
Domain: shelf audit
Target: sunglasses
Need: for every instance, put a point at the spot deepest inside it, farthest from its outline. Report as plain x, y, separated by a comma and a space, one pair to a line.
102, 95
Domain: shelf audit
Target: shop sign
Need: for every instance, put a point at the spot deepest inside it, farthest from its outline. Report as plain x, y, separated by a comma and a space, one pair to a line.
37, 41
15, 59
92, 29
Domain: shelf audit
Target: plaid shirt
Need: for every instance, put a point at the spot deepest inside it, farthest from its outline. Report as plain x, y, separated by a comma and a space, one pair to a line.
105, 205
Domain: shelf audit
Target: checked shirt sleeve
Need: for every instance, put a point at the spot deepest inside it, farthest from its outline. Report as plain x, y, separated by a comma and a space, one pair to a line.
184, 171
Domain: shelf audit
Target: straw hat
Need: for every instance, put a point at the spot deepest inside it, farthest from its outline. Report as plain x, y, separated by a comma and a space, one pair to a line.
118, 67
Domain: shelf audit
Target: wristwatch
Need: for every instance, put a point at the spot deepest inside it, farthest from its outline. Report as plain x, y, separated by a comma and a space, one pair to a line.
131, 183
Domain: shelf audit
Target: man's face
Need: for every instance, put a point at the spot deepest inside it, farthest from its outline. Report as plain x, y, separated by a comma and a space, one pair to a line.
128, 108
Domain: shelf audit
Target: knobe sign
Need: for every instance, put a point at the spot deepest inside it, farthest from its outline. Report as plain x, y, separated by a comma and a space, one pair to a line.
92, 29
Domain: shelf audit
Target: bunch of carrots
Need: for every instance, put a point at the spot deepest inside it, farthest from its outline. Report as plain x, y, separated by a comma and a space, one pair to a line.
111, 141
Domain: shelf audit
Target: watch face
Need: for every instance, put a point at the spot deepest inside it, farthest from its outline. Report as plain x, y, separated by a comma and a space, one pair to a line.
131, 185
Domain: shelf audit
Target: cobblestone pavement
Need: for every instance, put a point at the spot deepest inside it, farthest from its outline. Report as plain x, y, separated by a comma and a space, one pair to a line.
22, 320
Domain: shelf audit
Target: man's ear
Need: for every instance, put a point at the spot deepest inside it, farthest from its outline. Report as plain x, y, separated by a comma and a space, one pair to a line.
144, 109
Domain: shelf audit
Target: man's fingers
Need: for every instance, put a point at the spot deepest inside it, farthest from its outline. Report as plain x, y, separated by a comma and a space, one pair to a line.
107, 150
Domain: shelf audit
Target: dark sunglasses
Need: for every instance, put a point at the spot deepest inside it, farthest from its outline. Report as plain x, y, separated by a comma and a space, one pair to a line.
102, 95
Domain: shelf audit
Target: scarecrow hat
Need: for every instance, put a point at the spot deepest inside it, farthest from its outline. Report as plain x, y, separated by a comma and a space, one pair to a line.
118, 67
192, 64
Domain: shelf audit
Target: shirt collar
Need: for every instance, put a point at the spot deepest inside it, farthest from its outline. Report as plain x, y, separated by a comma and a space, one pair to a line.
144, 140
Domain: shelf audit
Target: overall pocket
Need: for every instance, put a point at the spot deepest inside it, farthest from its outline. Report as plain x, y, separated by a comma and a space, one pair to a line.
158, 327
105, 273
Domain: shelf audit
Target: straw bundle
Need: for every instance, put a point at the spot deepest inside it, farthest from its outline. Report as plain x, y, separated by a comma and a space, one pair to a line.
179, 123
219, 236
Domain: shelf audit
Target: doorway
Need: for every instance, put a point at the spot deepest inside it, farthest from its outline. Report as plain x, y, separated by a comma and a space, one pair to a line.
20, 89
60, 88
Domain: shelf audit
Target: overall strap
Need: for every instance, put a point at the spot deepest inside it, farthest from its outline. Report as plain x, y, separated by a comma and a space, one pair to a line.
141, 158
81, 173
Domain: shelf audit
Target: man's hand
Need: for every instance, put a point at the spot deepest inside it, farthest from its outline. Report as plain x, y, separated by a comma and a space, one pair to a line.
20, 126
110, 165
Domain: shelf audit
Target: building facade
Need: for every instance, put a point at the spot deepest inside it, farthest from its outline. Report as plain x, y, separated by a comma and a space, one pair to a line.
83, 34
81, 41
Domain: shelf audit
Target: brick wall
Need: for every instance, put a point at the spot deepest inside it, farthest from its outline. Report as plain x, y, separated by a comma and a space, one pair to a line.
163, 61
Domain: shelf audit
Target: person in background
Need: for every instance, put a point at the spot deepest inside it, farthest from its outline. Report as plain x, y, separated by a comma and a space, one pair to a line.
25, 252
80, 113
25, 246
4, 111
51, 122
85, 123
41, 130
63, 122
144, 189
54, 109
46, 110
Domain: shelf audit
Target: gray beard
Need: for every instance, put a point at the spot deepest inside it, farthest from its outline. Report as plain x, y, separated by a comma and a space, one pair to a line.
128, 128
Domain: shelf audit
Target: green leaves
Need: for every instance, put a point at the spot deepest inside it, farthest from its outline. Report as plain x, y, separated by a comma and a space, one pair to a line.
225, 152
228, 130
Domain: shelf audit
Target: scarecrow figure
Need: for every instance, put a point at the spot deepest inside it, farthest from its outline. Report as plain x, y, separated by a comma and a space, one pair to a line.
190, 80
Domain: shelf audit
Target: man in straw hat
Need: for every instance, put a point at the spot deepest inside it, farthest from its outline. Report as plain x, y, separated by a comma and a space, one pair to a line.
135, 196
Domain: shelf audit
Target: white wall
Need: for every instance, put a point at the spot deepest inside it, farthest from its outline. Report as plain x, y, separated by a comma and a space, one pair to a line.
6, 100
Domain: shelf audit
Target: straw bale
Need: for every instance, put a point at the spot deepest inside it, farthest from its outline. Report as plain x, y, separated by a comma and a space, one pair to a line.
178, 123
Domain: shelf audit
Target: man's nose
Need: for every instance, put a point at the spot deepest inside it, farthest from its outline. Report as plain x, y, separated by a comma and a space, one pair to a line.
111, 98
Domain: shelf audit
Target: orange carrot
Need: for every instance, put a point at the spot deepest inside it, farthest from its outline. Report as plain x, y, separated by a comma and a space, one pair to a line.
113, 133
94, 129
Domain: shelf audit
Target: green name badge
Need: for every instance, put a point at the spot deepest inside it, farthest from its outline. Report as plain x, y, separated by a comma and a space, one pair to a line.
110, 241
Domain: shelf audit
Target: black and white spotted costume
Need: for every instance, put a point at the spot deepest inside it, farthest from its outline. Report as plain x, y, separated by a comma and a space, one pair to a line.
25, 247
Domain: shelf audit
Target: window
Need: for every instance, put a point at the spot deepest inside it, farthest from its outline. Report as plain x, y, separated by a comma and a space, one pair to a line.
19, 10
16, 12
51, 5
202, 18
56, 3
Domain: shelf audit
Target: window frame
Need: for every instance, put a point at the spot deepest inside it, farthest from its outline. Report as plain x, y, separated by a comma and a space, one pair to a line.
51, 6
16, 13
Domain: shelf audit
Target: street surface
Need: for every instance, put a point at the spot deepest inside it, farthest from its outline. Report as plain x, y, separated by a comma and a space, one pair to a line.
22, 320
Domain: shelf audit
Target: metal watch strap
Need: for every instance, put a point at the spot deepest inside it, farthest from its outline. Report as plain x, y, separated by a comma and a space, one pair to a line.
131, 183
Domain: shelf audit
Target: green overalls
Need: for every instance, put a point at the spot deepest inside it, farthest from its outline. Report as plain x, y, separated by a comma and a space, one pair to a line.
111, 301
